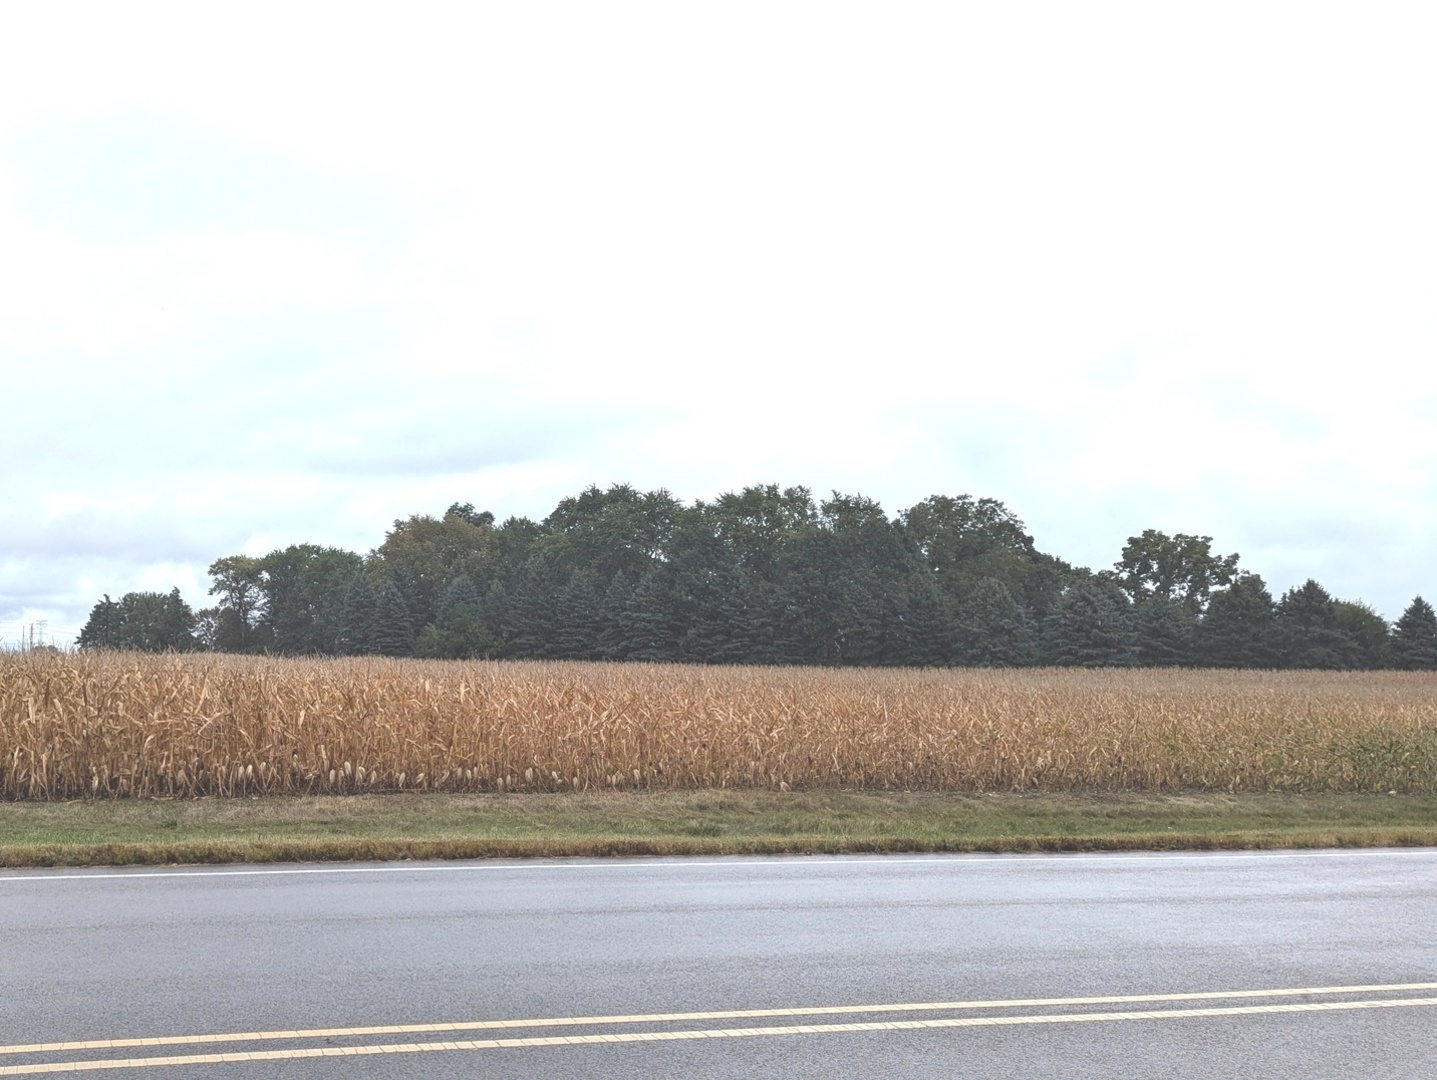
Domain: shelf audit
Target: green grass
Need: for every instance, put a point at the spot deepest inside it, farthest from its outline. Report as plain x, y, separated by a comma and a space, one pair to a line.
103, 832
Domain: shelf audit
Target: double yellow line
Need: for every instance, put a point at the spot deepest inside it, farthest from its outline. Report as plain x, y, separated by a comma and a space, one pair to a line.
1345, 994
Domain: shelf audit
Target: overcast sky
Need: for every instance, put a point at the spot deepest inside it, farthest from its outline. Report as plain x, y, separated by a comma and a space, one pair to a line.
283, 273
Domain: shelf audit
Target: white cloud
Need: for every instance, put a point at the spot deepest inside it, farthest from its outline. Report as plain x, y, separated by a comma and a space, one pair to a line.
292, 272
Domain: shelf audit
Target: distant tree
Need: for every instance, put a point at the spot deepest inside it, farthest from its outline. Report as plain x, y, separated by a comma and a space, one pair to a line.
1091, 626
304, 588
359, 632
394, 630
238, 620
962, 541
143, 622
103, 629
1167, 632
466, 512
1239, 628
1310, 637
648, 625
1369, 633
928, 628
459, 631
992, 629
422, 553
1179, 568
578, 619
1414, 637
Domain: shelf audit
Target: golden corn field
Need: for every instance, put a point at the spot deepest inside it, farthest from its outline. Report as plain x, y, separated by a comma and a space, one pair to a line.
121, 725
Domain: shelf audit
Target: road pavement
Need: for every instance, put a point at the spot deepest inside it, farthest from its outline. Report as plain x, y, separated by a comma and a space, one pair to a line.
1303, 964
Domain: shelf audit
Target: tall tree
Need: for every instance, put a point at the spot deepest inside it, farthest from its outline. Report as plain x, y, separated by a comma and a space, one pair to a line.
143, 622
1181, 568
1091, 626
359, 635
458, 631
1239, 628
1369, 633
305, 587
239, 616
1167, 632
993, 629
1414, 637
394, 629
1308, 623
422, 554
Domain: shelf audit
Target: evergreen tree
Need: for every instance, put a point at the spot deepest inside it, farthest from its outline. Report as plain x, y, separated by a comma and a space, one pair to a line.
531, 618
103, 629
928, 632
1167, 631
1309, 634
609, 644
458, 631
1091, 626
359, 634
578, 620
1369, 634
1239, 629
394, 632
648, 624
1415, 637
143, 622
992, 629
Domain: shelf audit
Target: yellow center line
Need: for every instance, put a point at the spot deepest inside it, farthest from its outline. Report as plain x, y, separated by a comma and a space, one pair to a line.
720, 1033
680, 1017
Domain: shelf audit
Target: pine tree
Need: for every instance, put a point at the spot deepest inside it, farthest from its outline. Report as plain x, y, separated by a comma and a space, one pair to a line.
578, 620
360, 631
1415, 637
648, 622
458, 631
1310, 636
394, 634
928, 623
1167, 633
1239, 628
992, 628
1091, 626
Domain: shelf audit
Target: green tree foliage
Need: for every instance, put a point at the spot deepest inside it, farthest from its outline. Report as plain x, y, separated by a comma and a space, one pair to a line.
394, 627
767, 575
1239, 629
423, 554
237, 622
1167, 632
141, 621
1414, 637
305, 587
1091, 626
459, 631
605, 532
993, 629
1310, 637
1178, 568
1368, 633
964, 543
359, 632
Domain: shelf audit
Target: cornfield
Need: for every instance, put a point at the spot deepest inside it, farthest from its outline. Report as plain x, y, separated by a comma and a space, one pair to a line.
122, 725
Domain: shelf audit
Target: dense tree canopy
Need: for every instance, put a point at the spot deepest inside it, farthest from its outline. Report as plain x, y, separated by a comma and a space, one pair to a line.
764, 575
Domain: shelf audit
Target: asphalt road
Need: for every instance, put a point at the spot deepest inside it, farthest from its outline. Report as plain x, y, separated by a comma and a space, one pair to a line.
1000, 956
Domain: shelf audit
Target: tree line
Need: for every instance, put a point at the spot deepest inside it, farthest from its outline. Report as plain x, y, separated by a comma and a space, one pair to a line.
766, 575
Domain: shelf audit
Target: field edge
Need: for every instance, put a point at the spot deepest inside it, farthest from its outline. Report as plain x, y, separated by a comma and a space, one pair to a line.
242, 852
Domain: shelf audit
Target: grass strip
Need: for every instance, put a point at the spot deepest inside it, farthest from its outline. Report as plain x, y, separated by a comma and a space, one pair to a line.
389, 827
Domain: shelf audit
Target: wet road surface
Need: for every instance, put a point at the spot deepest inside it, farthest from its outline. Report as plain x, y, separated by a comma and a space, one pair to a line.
1071, 966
